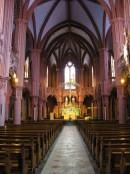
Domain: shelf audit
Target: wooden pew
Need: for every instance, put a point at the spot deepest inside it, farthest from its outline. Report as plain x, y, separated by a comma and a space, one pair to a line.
12, 159
118, 160
25, 138
107, 138
43, 135
98, 138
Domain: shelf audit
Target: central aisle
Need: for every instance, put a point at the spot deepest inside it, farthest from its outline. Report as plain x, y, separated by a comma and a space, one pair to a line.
69, 155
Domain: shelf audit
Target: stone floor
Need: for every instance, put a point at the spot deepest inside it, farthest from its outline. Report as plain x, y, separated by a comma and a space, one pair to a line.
69, 155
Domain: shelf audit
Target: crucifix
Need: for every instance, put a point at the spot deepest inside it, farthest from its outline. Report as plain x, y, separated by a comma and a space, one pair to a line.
92, 109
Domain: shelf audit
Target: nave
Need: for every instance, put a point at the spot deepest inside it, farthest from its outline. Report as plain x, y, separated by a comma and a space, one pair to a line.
69, 155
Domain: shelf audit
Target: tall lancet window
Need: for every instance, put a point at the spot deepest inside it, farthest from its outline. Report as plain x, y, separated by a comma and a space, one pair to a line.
112, 68
69, 76
92, 77
47, 77
26, 68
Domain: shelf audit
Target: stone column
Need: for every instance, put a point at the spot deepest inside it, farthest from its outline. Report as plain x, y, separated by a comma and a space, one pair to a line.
127, 14
80, 78
1, 14
7, 107
96, 71
40, 113
20, 42
35, 55
7, 33
44, 75
6, 16
118, 41
99, 113
103, 55
2, 62
59, 106
59, 81
121, 104
17, 104
59, 77
3, 83
49, 76
105, 109
81, 107
81, 83
90, 76
44, 110
35, 108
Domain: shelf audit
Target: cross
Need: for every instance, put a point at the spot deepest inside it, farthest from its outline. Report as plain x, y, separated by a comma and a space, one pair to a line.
92, 109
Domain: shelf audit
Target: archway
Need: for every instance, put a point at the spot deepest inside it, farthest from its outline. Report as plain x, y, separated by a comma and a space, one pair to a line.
51, 103
90, 109
127, 105
26, 105
113, 104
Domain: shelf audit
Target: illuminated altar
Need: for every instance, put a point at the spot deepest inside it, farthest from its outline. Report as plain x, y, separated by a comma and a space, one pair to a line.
70, 113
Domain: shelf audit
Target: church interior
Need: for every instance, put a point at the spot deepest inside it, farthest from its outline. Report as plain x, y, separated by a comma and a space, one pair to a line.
64, 69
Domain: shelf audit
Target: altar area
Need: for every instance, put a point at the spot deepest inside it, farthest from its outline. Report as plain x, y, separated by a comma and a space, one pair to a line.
70, 113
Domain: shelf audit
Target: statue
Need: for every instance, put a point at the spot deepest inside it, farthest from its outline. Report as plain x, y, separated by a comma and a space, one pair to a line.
73, 101
66, 101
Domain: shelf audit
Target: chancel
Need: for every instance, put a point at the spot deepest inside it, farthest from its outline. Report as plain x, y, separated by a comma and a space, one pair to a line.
64, 86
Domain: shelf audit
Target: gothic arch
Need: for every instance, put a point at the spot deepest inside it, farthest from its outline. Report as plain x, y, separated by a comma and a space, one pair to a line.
26, 104
113, 104
127, 105
88, 99
51, 103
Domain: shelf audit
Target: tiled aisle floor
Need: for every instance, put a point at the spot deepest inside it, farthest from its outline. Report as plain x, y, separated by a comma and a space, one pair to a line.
70, 155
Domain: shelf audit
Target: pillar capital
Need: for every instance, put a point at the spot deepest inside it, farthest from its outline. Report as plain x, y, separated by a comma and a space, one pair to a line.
35, 100
121, 90
18, 91
17, 104
102, 50
105, 98
23, 21
40, 100
118, 19
3, 81
35, 51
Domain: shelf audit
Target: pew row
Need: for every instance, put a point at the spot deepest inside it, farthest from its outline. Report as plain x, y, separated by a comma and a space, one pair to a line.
107, 142
22, 147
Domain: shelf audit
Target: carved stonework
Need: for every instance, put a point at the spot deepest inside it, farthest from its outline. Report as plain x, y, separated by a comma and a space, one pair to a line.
52, 91
1, 43
3, 82
18, 91
13, 62
40, 101
35, 100
120, 90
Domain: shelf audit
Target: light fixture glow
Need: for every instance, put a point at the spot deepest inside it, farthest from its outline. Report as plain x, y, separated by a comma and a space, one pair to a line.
122, 81
14, 75
16, 80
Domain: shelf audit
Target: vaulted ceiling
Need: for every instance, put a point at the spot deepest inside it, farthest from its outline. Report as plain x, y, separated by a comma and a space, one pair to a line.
59, 28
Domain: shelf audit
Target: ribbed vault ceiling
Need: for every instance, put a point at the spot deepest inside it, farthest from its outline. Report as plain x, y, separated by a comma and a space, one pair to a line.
75, 27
